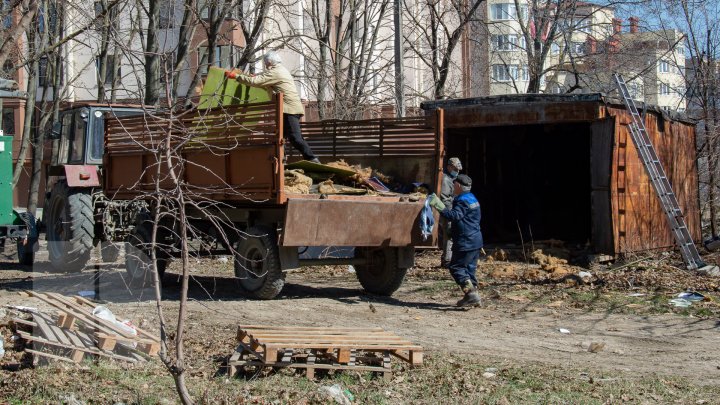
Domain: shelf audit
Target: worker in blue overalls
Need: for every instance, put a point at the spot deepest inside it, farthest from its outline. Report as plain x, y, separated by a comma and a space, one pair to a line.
466, 235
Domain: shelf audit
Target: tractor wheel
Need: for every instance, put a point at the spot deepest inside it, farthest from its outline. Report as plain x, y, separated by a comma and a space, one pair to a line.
138, 260
70, 228
381, 274
257, 264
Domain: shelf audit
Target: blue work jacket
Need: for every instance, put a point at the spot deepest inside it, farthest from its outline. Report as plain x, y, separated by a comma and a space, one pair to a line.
465, 218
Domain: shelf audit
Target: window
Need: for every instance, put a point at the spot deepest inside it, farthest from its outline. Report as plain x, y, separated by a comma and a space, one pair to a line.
46, 75
166, 14
50, 15
507, 11
504, 42
581, 24
76, 138
225, 57
681, 90
525, 73
110, 76
8, 121
578, 48
680, 49
101, 11
554, 48
663, 66
43, 79
7, 11
506, 73
664, 89
8, 70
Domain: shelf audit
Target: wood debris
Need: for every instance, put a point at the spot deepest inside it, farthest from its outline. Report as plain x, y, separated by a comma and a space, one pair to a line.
75, 333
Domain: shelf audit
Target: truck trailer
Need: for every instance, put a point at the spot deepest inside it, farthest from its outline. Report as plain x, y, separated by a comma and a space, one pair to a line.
117, 169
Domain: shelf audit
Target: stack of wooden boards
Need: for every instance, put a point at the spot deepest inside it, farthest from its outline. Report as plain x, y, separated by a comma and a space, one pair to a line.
75, 333
310, 348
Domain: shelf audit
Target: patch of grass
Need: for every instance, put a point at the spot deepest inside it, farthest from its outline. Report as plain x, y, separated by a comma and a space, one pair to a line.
443, 378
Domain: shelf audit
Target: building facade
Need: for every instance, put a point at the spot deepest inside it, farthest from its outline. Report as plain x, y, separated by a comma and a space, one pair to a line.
575, 50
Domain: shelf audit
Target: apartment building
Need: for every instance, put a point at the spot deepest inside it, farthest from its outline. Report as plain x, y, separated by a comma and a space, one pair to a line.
582, 47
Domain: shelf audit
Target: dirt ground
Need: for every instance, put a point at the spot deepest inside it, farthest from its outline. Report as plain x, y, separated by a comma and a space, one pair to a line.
623, 312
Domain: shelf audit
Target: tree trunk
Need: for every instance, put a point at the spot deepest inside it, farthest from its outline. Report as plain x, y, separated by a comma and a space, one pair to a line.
152, 59
29, 109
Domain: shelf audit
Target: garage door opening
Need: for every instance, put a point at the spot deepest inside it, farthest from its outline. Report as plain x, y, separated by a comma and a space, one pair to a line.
530, 179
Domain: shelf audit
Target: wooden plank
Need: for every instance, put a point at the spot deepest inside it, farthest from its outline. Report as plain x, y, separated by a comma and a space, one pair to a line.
48, 355
331, 339
51, 332
342, 345
94, 351
321, 334
308, 328
256, 363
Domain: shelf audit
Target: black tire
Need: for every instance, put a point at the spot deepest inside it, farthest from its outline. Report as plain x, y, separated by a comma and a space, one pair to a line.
138, 263
109, 252
257, 264
70, 228
381, 274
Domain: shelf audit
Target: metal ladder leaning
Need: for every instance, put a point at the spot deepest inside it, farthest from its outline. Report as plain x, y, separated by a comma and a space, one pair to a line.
660, 181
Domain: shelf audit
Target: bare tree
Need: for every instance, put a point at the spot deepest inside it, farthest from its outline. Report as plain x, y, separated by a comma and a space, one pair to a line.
27, 9
347, 48
701, 46
434, 32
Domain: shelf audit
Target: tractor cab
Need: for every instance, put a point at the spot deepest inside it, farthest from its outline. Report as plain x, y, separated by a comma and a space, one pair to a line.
81, 132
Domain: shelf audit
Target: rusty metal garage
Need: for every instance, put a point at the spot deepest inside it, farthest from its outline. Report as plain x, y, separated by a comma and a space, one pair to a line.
564, 167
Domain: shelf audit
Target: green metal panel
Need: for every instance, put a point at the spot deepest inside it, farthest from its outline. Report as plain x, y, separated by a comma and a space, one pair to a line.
217, 90
7, 216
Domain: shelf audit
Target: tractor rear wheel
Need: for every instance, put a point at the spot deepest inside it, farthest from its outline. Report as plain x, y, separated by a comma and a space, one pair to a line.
70, 228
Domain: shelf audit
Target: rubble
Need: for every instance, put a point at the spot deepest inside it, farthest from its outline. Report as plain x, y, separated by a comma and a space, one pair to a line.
335, 178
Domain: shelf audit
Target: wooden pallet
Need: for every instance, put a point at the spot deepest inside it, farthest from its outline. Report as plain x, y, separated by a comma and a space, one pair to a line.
360, 349
73, 309
75, 333
52, 342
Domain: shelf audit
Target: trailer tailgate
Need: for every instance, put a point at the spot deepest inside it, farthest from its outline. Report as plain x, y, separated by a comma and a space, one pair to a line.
354, 222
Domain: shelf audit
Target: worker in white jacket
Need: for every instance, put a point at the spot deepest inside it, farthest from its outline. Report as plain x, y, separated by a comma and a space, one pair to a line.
278, 79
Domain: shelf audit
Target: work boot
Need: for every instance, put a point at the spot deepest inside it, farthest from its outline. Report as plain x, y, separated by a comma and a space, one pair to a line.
471, 298
315, 160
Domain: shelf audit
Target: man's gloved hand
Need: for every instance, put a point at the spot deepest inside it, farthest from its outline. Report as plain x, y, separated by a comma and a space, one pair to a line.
231, 74
436, 203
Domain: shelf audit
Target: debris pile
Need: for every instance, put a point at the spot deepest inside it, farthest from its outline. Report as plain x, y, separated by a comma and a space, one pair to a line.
80, 329
545, 268
337, 178
297, 182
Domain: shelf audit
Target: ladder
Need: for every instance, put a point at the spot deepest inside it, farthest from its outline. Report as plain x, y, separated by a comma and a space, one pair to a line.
660, 181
